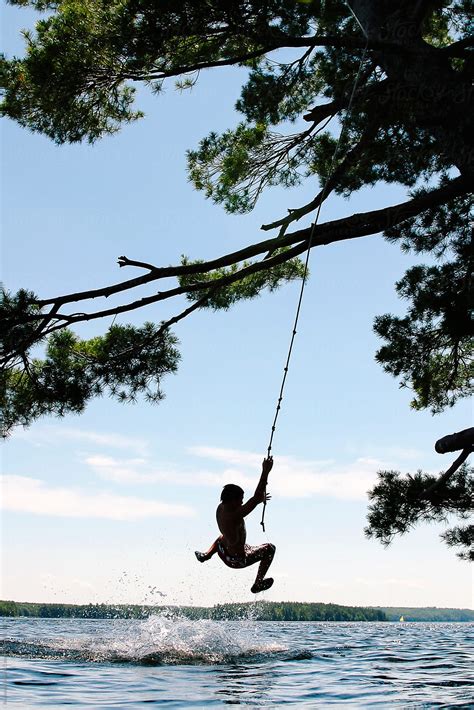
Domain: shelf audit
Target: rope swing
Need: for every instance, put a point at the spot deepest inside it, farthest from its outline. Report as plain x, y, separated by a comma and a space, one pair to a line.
305, 273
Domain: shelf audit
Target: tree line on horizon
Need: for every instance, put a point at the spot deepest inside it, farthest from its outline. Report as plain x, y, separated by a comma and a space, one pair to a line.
259, 611
428, 613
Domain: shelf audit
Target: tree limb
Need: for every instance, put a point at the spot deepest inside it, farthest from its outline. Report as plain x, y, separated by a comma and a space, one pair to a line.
124, 261
293, 245
357, 225
179, 290
280, 42
456, 49
447, 474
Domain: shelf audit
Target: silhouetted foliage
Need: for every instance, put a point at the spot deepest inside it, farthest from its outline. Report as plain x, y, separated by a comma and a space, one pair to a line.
398, 503
402, 88
124, 362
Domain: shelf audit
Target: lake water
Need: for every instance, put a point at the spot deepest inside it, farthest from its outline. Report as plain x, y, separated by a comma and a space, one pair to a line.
180, 663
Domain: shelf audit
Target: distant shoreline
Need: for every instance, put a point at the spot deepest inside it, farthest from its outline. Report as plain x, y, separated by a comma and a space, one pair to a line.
259, 611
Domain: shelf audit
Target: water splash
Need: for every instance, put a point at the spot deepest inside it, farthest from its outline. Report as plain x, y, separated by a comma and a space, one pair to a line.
159, 640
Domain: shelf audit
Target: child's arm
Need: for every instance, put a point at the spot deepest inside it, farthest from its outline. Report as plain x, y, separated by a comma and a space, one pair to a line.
259, 496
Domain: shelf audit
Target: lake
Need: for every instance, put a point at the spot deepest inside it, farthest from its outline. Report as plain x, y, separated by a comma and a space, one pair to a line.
179, 663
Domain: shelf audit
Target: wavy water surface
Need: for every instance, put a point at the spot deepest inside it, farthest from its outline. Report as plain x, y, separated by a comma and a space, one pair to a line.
183, 663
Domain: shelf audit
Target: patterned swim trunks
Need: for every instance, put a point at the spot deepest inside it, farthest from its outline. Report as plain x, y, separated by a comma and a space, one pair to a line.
251, 555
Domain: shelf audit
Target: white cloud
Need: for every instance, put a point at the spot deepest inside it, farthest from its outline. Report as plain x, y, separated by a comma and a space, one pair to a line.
295, 478
140, 471
31, 495
290, 477
50, 435
127, 470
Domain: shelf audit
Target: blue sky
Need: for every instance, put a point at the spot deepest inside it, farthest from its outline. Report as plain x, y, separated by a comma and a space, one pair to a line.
110, 506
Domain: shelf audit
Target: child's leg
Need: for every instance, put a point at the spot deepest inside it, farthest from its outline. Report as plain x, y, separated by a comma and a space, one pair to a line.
204, 556
264, 554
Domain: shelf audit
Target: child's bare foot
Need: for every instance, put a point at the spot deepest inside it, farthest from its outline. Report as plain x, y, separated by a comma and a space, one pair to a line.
262, 585
201, 556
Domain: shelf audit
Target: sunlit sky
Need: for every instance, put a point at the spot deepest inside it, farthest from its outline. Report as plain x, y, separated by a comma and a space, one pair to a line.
110, 505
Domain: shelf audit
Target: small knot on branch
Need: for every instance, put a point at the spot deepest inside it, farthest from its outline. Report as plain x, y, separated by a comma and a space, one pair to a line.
123, 261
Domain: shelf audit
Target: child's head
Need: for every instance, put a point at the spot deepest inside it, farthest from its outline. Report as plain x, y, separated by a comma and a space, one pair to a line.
231, 493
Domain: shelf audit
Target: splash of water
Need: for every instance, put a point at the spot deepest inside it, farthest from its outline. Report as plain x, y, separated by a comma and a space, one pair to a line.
160, 639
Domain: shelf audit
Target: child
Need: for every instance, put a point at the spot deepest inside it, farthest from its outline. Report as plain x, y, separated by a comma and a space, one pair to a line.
231, 544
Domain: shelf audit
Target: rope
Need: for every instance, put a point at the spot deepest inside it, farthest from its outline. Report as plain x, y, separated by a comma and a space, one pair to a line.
305, 272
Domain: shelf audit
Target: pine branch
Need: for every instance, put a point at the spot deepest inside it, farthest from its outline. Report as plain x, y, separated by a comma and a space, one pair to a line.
447, 474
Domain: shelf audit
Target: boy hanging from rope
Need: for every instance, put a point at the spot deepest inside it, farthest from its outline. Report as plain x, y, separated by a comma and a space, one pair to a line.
230, 545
